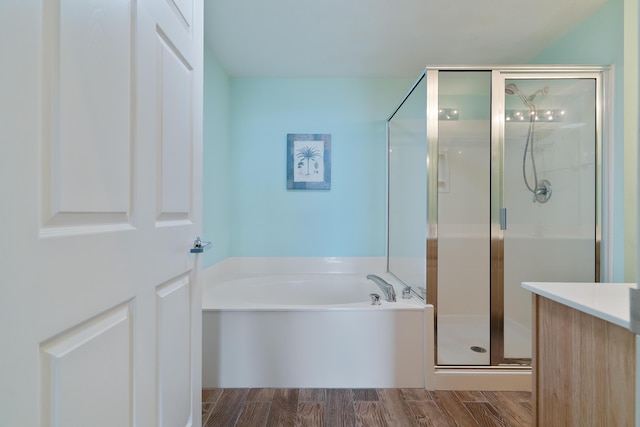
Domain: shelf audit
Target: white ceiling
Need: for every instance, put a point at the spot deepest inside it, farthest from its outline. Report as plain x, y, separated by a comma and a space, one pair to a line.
381, 38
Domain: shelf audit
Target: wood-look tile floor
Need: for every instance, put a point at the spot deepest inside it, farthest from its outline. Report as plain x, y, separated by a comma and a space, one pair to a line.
364, 407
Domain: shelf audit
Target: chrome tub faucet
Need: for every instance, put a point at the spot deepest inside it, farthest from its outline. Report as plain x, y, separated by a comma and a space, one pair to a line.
385, 287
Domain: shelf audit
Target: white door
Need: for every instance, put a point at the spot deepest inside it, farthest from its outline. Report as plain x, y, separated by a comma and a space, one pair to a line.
100, 201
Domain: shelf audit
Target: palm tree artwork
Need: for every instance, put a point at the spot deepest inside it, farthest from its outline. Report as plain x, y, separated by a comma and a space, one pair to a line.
308, 161
307, 155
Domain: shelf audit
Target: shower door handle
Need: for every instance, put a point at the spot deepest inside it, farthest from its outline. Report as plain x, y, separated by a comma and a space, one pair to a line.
503, 218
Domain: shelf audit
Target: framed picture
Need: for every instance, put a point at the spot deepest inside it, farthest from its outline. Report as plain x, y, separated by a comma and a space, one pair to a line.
308, 161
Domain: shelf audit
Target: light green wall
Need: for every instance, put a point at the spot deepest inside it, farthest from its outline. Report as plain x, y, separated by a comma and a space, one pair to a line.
631, 114
247, 209
216, 141
599, 40
347, 220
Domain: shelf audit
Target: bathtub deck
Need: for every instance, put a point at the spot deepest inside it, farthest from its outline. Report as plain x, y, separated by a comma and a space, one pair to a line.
363, 407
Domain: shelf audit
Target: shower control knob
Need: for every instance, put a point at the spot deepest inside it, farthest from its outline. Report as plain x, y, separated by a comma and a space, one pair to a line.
543, 192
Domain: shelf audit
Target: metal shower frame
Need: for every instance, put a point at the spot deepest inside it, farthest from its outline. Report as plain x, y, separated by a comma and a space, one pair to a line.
499, 74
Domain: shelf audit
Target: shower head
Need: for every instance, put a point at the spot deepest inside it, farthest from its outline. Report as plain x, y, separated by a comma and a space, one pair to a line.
511, 89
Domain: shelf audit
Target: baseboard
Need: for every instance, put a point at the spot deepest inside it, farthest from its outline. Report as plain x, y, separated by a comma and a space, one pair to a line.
482, 379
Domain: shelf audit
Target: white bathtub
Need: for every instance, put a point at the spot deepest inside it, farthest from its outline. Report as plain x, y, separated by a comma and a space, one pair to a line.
299, 291
310, 331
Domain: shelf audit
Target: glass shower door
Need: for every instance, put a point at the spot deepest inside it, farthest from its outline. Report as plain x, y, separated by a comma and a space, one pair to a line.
548, 198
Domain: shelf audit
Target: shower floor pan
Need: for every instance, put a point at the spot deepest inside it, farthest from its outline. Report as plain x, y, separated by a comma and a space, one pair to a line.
461, 339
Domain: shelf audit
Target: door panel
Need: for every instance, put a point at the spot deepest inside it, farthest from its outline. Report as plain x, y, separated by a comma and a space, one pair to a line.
184, 9
175, 149
101, 200
91, 120
86, 119
69, 364
174, 352
549, 137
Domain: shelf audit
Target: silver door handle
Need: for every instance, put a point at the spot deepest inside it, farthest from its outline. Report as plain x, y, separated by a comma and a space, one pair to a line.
199, 246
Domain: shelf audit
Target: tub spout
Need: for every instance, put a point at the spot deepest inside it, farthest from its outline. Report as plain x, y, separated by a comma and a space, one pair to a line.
387, 288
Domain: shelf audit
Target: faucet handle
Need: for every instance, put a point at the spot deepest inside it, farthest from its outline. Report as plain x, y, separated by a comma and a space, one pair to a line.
375, 299
406, 292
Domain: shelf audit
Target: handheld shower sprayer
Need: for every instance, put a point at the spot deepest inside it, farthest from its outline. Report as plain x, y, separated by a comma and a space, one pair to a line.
541, 190
512, 89
544, 91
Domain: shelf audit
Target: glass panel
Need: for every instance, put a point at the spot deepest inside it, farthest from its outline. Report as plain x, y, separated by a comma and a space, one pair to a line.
407, 193
463, 333
549, 194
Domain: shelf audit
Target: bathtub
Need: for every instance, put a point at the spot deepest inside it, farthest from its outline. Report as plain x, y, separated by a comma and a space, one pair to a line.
310, 331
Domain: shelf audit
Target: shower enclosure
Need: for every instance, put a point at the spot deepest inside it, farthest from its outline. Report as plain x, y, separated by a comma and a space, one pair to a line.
494, 178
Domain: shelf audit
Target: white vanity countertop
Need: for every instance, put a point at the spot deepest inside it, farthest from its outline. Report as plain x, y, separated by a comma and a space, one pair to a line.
607, 301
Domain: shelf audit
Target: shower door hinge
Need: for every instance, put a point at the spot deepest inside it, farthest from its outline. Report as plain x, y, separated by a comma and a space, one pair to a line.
503, 218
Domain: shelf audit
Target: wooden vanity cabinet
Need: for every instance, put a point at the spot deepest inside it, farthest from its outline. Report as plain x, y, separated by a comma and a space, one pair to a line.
583, 368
